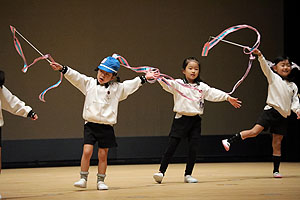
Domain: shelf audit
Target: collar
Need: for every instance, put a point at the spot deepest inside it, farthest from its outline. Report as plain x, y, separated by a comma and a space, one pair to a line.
106, 85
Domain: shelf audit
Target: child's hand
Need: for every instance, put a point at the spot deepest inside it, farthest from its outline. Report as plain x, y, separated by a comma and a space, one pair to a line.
257, 52
35, 117
151, 75
298, 114
234, 102
56, 66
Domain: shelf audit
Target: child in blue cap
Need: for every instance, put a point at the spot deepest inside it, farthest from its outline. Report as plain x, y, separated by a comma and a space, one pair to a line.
102, 96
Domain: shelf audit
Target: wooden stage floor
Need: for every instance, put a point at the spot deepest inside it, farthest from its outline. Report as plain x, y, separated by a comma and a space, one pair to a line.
216, 181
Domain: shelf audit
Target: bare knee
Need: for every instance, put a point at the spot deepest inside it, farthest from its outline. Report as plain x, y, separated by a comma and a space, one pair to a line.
87, 152
102, 154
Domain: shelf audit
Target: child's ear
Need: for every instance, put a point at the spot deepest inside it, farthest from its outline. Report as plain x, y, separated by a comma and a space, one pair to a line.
275, 68
183, 71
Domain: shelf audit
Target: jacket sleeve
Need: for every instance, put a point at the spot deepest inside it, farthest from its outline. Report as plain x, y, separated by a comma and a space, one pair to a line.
13, 104
266, 69
295, 100
213, 94
168, 88
80, 81
128, 87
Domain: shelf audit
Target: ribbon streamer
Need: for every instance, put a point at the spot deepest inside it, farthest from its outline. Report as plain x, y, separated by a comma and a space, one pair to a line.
209, 45
47, 57
163, 77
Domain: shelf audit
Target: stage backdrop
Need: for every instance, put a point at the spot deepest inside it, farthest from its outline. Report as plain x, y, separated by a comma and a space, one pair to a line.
146, 32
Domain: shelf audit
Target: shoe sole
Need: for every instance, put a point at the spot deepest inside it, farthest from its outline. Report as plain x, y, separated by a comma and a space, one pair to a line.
102, 189
158, 179
226, 147
79, 186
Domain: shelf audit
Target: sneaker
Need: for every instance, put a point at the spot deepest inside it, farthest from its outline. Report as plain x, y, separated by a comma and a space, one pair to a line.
101, 186
277, 175
226, 144
190, 179
81, 183
158, 177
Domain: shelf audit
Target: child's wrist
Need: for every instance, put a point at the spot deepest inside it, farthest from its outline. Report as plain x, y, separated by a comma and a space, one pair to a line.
31, 114
64, 69
143, 79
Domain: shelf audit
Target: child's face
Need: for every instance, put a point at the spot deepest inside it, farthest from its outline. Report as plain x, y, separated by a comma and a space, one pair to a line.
191, 71
104, 77
283, 68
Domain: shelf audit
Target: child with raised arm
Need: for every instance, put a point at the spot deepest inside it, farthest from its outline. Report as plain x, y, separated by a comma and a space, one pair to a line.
187, 120
102, 97
12, 104
282, 99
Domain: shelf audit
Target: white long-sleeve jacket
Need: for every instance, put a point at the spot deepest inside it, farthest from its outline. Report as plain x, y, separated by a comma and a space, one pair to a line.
184, 106
282, 94
12, 104
101, 103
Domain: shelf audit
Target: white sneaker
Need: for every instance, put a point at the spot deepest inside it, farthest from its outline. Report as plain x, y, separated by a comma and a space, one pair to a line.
190, 179
81, 183
101, 186
226, 144
277, 175
158, 177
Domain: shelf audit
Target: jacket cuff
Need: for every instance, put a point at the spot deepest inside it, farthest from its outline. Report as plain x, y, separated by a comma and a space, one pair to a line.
143, 79
31, 114
64, 69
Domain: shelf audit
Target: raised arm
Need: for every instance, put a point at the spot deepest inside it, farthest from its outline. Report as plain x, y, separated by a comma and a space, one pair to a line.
264, 66
80, 81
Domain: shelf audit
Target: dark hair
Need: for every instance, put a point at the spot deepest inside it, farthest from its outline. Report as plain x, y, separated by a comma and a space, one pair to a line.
281, 58
186, 62
291, 76
2, 78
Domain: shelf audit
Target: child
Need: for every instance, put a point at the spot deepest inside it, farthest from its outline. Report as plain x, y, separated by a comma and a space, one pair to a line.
282, 98
102, 97
187, 121
12, 104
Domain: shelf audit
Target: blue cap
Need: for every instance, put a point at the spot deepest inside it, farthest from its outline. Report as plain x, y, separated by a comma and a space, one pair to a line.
110, 65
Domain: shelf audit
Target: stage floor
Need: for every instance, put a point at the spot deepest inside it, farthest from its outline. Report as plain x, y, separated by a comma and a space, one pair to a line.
216, 181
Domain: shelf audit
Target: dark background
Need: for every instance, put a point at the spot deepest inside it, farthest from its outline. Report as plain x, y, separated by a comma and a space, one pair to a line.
156, 33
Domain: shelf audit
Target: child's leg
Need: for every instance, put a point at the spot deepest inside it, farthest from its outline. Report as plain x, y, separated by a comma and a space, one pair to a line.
102, 165
191, 157
173, 143
86, 157
276, 144
102, 156
257, 129
85, 164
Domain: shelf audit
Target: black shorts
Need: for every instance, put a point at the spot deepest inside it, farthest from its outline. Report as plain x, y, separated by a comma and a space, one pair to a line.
186, 126
101, 133
272, 119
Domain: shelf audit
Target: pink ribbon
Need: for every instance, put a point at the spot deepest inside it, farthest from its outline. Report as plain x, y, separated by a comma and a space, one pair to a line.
159, 76
209, 45
47, 57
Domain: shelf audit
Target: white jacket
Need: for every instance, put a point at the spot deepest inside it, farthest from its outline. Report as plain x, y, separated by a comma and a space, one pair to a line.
101, 103
12, 104
184, 106
282, 94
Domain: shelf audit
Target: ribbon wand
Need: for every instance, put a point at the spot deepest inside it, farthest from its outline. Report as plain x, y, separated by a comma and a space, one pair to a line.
15, 30
42, 57
233, 43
